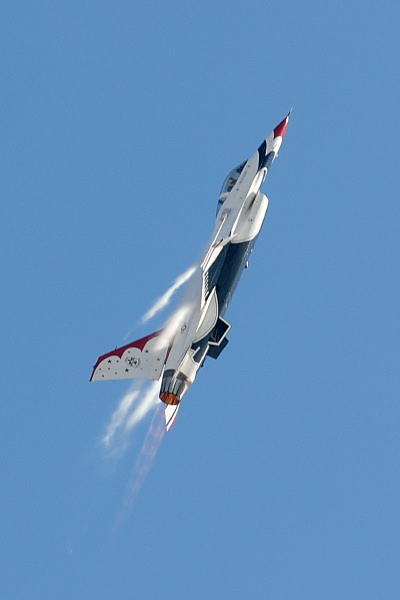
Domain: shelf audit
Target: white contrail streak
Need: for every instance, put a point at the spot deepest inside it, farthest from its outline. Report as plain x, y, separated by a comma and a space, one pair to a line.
132, 408
149, 400
120, 415
142, 397
144, 461
175, 322
164, 300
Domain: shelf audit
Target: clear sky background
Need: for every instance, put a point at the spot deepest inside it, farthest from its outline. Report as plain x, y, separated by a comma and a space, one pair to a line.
119, 123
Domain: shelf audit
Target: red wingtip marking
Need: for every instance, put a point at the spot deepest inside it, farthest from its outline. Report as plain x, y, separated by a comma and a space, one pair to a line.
140, 344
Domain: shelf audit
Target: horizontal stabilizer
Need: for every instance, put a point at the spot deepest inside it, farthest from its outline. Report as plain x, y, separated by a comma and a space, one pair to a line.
141, 358
171, 410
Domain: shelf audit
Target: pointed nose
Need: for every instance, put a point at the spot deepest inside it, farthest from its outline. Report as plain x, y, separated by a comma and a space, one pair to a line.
281, 128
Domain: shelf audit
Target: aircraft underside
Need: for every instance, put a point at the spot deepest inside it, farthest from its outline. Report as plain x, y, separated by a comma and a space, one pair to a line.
224, 276
198, 329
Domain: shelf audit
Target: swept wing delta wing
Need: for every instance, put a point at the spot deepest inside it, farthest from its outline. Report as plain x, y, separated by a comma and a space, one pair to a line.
141, 358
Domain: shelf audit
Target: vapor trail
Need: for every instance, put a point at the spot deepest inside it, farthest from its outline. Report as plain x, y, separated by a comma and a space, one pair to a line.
132, 408
164, 300
149, 401
144, 461
172, 325
119, 416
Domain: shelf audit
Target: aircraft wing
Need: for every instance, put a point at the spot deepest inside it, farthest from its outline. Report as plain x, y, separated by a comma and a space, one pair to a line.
141, 358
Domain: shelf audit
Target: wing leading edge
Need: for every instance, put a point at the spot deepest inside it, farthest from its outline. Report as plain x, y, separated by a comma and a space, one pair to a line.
142, 358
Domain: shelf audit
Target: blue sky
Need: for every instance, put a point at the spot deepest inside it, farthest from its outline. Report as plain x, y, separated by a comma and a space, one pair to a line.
119, 122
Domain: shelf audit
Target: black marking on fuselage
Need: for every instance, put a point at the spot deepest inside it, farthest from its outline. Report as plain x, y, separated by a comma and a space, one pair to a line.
267, 161
224, 275
261, 154
228, 280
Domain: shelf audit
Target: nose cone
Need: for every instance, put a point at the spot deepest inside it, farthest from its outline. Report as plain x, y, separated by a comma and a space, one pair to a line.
269, 149
280, 129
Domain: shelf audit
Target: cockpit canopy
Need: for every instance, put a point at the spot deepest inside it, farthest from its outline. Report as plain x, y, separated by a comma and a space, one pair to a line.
229, 184
232, 179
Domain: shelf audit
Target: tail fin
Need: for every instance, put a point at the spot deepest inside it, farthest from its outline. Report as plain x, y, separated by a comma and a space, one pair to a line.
141, 358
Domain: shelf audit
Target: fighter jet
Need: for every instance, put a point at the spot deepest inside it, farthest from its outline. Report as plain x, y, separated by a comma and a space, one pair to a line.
198, 328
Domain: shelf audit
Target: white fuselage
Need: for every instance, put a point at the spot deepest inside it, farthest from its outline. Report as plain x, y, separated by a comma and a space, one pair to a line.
242, 210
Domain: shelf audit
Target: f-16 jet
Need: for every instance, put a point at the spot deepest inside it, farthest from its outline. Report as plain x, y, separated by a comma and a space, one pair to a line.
198, 328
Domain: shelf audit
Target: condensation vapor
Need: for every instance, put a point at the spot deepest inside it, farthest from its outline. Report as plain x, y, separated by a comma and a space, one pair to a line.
149, 401
132, 408
172, 325
120, 415
142, 397
165, 299
144, 461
